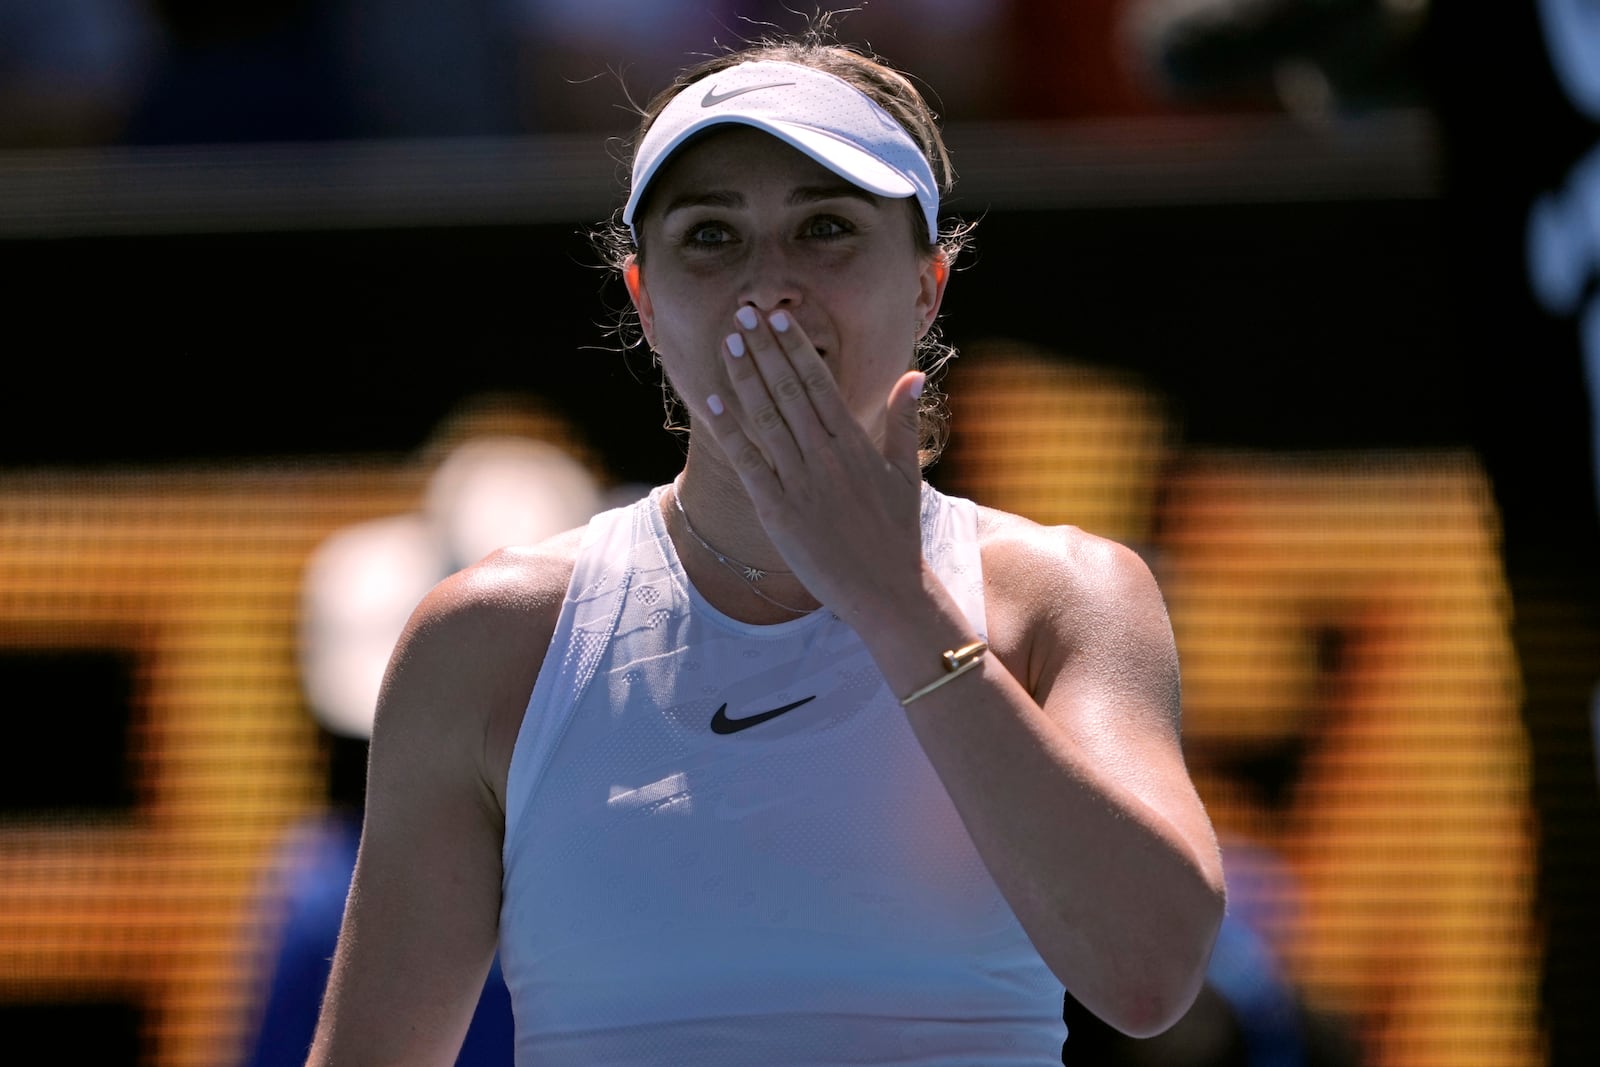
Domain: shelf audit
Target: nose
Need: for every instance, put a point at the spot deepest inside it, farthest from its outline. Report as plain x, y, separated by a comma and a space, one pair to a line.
771, 279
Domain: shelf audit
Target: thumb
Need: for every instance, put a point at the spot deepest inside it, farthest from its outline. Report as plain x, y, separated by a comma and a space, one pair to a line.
902, 433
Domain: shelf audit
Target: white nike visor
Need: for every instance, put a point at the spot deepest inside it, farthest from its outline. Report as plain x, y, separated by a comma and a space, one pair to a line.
825, 117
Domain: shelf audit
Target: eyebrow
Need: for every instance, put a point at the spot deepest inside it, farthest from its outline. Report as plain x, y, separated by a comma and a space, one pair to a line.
804, 194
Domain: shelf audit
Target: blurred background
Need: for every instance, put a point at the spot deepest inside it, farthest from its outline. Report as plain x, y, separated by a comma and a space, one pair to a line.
1294, 296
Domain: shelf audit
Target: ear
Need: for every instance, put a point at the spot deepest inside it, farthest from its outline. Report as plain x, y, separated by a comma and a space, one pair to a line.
633, 278
930, 290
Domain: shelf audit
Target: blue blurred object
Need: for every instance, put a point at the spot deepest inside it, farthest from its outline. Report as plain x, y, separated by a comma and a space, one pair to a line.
292, 70
316, 869
69, 69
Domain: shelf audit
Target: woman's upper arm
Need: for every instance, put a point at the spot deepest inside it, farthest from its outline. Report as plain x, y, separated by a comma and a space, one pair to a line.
1094, 645
420, 924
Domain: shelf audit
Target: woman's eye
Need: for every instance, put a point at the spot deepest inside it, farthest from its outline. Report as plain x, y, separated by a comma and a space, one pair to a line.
707, 233
828, 226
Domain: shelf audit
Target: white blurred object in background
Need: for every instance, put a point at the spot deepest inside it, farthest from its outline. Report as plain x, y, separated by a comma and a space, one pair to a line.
362, 583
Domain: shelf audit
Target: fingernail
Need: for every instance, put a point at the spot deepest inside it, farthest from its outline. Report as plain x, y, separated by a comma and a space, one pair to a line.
714, 402
916, 386
735, 344
779, 320
747, 317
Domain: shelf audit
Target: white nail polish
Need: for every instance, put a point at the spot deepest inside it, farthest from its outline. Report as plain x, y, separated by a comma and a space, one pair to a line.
747, 317
779, 321
714, 402
735, 344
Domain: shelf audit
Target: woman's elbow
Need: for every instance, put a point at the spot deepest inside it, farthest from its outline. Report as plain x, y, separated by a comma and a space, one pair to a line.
1153, 1008
1150, 999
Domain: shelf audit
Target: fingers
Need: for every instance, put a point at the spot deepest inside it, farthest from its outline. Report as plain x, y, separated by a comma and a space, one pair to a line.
751, 463
767, 374
821, 391
782, 385
789, 406
903, 427
764, 416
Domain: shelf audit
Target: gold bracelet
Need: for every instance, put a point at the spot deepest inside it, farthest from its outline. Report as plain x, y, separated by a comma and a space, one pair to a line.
956, 662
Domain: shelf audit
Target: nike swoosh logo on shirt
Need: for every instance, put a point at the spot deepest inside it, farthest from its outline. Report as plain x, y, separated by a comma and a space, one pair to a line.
713, 98
721, 724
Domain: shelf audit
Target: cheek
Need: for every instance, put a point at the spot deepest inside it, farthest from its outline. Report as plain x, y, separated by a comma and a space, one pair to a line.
680, 337
690, 353
674, 310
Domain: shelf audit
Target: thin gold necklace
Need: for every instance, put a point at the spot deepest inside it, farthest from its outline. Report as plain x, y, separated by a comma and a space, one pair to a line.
749, 572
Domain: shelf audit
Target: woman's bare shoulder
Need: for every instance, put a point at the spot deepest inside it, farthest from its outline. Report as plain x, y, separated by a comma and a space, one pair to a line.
467, 661
518, 579
1018, 549
514, 592
1052, 590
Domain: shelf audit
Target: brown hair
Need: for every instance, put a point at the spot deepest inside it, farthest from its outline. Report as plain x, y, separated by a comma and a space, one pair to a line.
893, 91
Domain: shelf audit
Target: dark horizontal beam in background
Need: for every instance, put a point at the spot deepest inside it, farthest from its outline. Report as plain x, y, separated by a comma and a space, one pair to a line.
126, 191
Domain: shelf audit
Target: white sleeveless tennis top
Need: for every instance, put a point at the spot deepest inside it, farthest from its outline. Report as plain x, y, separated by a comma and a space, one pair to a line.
724, 845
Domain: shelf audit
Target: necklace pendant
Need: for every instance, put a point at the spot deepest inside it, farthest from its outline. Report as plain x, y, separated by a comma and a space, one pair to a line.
753, 574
